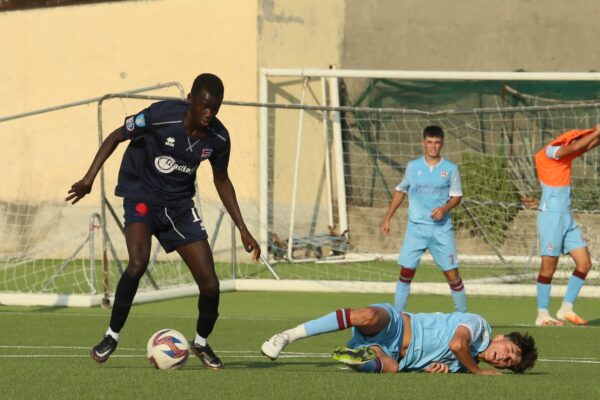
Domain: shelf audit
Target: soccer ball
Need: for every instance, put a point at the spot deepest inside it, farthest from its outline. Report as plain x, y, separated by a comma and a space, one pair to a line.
168, 349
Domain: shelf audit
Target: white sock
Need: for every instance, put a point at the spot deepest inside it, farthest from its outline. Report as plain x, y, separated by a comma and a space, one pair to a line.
543, 313
114, 335
296, 333
200, 341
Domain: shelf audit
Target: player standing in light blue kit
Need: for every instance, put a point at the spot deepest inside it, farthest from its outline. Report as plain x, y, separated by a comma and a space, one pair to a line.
433, 187
558, 231
386, 340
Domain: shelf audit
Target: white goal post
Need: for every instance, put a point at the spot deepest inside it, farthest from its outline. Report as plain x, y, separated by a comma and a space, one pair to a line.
293, 94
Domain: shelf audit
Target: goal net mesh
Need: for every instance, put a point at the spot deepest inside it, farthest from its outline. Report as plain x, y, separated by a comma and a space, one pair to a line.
492, 131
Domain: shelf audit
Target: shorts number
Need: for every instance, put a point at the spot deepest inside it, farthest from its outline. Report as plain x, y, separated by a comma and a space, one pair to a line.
451, 259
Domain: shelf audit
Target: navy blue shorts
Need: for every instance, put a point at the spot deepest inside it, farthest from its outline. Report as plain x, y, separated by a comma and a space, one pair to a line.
172, 226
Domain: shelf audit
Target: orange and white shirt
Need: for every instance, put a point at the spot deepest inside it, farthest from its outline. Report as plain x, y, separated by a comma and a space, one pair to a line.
555, 173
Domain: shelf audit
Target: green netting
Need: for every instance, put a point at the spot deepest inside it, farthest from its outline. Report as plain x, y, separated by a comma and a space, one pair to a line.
462, 95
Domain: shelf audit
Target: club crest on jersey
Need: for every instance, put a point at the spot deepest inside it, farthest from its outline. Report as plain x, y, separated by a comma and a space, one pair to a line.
206, 153
444, 174
129, 125
170, 142
140, 120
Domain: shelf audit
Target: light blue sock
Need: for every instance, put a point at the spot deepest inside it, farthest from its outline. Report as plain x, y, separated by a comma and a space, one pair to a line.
334, 321
573, 287
401, 296
459, 297
543, 295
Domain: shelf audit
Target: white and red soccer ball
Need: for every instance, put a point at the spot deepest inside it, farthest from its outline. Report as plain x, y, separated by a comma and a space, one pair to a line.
168, 349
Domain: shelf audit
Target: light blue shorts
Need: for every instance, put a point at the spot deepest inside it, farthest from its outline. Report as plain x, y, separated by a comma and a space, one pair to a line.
389, 339
559, 234
438, 239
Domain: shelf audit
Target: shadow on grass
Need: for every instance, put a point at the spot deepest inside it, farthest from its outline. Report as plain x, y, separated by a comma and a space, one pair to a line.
595, 322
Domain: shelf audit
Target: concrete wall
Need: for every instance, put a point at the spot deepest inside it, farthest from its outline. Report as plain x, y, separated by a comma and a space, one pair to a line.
58, 55
466, 35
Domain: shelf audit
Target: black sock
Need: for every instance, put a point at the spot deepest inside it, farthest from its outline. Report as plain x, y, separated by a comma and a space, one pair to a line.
208, 308
126, 289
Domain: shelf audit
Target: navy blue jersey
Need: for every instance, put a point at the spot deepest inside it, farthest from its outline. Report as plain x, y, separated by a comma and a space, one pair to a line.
159, 165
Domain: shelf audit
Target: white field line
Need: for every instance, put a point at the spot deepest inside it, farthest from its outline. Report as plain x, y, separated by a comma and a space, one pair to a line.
153, 316
232, 354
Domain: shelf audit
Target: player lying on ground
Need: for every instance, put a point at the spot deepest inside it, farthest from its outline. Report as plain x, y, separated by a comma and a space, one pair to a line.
385, 340
558, 231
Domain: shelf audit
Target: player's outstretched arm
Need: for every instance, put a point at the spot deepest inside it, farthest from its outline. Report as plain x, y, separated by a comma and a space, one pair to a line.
397, 200
459, 345
586, 143
226, 192
82, 187
596, 141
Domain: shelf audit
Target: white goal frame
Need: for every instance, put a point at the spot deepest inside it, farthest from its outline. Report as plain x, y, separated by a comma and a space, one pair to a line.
330, 98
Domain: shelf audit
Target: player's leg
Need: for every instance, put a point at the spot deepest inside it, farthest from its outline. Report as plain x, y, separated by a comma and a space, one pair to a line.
138, 239
550, 232
375, 352
413, 247
443, 249
544, 286
181, 229
198, 257
368, 320
583, 264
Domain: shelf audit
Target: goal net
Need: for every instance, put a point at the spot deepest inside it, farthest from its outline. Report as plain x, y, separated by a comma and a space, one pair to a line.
337, 143
53, 253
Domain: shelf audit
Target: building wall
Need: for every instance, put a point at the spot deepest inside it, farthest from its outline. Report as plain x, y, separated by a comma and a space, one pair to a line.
466, 35
65, 54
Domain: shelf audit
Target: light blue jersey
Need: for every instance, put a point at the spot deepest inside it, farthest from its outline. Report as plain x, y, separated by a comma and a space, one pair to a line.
558, 231
429, 187
431, 334
555, 199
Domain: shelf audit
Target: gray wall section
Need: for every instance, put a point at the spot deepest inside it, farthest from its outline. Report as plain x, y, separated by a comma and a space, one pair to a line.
468, 35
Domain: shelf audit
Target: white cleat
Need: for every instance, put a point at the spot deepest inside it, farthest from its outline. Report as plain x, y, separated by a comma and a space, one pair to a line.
569, 315
275, 345
546, 320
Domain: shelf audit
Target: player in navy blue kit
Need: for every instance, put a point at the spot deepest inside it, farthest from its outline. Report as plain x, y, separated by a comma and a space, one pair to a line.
168, 141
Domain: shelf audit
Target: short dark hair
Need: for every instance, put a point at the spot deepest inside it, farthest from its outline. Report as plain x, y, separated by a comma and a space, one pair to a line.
209, 82
529, 352
433, 131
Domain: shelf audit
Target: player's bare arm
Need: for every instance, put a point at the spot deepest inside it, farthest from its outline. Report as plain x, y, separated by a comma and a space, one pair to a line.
439, 212
396, 202
596, 141
82, 187
586, 143
459, 345
226, 192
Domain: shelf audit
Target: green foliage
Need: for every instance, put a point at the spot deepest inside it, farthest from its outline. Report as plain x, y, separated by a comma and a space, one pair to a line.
586, 194
490, 199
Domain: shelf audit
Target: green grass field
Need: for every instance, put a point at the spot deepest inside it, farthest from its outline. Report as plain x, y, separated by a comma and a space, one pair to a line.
44, 353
